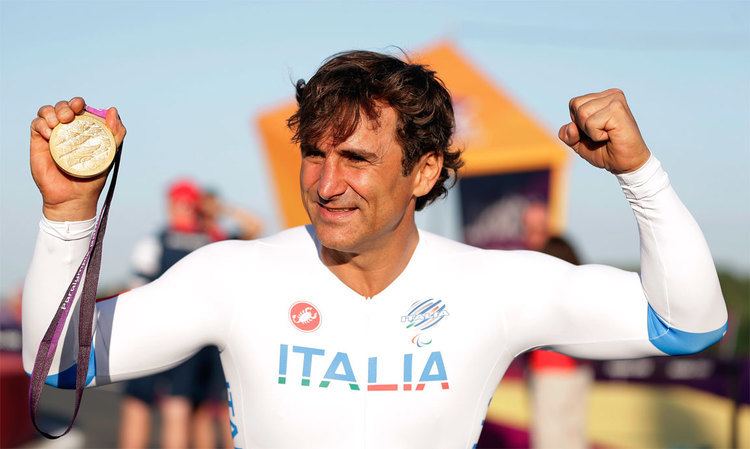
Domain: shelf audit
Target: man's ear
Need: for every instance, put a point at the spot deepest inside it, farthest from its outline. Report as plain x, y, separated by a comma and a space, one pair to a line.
427, 173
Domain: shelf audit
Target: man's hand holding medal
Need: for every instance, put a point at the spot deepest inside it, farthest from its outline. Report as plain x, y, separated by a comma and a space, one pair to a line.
72, 148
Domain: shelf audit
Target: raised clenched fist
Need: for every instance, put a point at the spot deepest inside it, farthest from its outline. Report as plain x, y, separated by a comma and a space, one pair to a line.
66, 198
603, 132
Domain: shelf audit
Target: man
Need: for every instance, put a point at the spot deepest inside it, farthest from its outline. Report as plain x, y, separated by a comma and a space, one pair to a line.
360, 330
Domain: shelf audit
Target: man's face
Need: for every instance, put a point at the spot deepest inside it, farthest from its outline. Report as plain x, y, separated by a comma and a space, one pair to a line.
535, 226
355, 192
183, 214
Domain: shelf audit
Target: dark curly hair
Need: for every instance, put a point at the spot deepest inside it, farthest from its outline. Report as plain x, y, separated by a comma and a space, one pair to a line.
355, 82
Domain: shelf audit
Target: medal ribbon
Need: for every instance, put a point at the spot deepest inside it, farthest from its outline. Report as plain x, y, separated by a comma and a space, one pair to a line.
90, 266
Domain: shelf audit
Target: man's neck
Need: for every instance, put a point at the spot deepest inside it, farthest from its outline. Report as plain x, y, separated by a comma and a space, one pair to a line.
369, 272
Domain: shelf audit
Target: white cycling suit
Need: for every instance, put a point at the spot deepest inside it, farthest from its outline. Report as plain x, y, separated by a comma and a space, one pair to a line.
312, 364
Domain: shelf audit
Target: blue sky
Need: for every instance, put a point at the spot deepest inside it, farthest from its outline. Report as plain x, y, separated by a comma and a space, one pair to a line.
190, 77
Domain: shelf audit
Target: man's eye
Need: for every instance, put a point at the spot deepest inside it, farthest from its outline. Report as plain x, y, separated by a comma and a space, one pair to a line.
356, 157
312, 153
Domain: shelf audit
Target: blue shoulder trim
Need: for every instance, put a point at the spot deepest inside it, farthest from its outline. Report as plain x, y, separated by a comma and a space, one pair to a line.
67, 377
673, 341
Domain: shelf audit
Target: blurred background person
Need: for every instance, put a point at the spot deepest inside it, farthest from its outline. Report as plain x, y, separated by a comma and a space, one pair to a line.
559, 384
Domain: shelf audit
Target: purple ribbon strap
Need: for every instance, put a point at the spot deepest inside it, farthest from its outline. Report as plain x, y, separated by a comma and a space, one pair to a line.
100, 112
89, 271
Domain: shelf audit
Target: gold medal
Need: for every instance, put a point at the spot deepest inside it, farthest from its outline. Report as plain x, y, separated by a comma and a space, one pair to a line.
83, 148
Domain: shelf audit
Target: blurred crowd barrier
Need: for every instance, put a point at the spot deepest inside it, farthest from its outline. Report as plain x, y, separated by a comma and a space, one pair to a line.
677, 402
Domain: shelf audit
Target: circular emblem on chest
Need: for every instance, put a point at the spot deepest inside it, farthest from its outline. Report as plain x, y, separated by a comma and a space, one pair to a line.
304, 316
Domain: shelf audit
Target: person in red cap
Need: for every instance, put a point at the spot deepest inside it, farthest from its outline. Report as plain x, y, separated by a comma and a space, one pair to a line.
184, 197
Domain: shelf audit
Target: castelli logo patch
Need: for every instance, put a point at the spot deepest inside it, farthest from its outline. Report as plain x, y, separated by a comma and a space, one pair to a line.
304, 316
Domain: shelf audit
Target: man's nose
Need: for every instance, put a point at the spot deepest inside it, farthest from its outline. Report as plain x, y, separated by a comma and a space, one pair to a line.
332, 182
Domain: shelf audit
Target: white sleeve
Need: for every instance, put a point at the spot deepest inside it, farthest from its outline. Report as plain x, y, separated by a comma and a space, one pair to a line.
674, 307
145, 330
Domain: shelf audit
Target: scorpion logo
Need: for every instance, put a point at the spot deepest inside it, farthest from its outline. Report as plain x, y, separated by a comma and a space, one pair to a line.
304, 316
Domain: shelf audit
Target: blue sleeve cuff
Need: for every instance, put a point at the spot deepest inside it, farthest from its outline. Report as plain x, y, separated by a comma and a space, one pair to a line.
67, 378
673, 341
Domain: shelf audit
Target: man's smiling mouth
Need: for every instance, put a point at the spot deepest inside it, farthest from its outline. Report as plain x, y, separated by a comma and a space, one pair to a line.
336, 209
334, 212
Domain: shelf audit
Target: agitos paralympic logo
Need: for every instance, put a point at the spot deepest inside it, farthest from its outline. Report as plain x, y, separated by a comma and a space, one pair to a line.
423, 315
300, 360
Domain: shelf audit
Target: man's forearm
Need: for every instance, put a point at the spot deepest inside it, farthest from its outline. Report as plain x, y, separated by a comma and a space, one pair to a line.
677, 271
60, 248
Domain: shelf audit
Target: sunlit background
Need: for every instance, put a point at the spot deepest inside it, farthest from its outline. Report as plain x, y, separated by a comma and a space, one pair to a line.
191, 80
